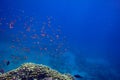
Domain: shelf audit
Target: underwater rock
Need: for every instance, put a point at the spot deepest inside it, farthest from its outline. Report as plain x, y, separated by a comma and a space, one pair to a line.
31, 71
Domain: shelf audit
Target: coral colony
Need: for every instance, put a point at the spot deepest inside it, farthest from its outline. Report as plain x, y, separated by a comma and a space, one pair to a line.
31, 71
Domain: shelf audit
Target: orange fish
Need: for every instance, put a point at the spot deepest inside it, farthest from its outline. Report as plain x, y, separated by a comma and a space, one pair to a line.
11, 25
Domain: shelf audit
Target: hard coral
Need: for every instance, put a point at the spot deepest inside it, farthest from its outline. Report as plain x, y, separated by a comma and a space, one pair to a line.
31, 71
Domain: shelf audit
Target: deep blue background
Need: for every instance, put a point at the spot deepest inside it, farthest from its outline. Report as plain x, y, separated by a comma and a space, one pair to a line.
91, 26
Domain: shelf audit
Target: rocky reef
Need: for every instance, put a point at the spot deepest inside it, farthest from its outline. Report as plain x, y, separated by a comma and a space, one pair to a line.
31, 71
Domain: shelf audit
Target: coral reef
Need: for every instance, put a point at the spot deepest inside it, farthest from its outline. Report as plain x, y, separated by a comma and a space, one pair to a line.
31, 71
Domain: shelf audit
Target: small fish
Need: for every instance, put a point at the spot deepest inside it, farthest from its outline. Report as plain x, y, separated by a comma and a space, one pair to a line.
8, 62
78, 76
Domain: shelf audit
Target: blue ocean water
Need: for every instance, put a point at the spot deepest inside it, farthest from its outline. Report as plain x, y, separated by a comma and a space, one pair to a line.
72, 36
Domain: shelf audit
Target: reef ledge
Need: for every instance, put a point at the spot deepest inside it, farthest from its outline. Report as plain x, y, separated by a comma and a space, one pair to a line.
31, 71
